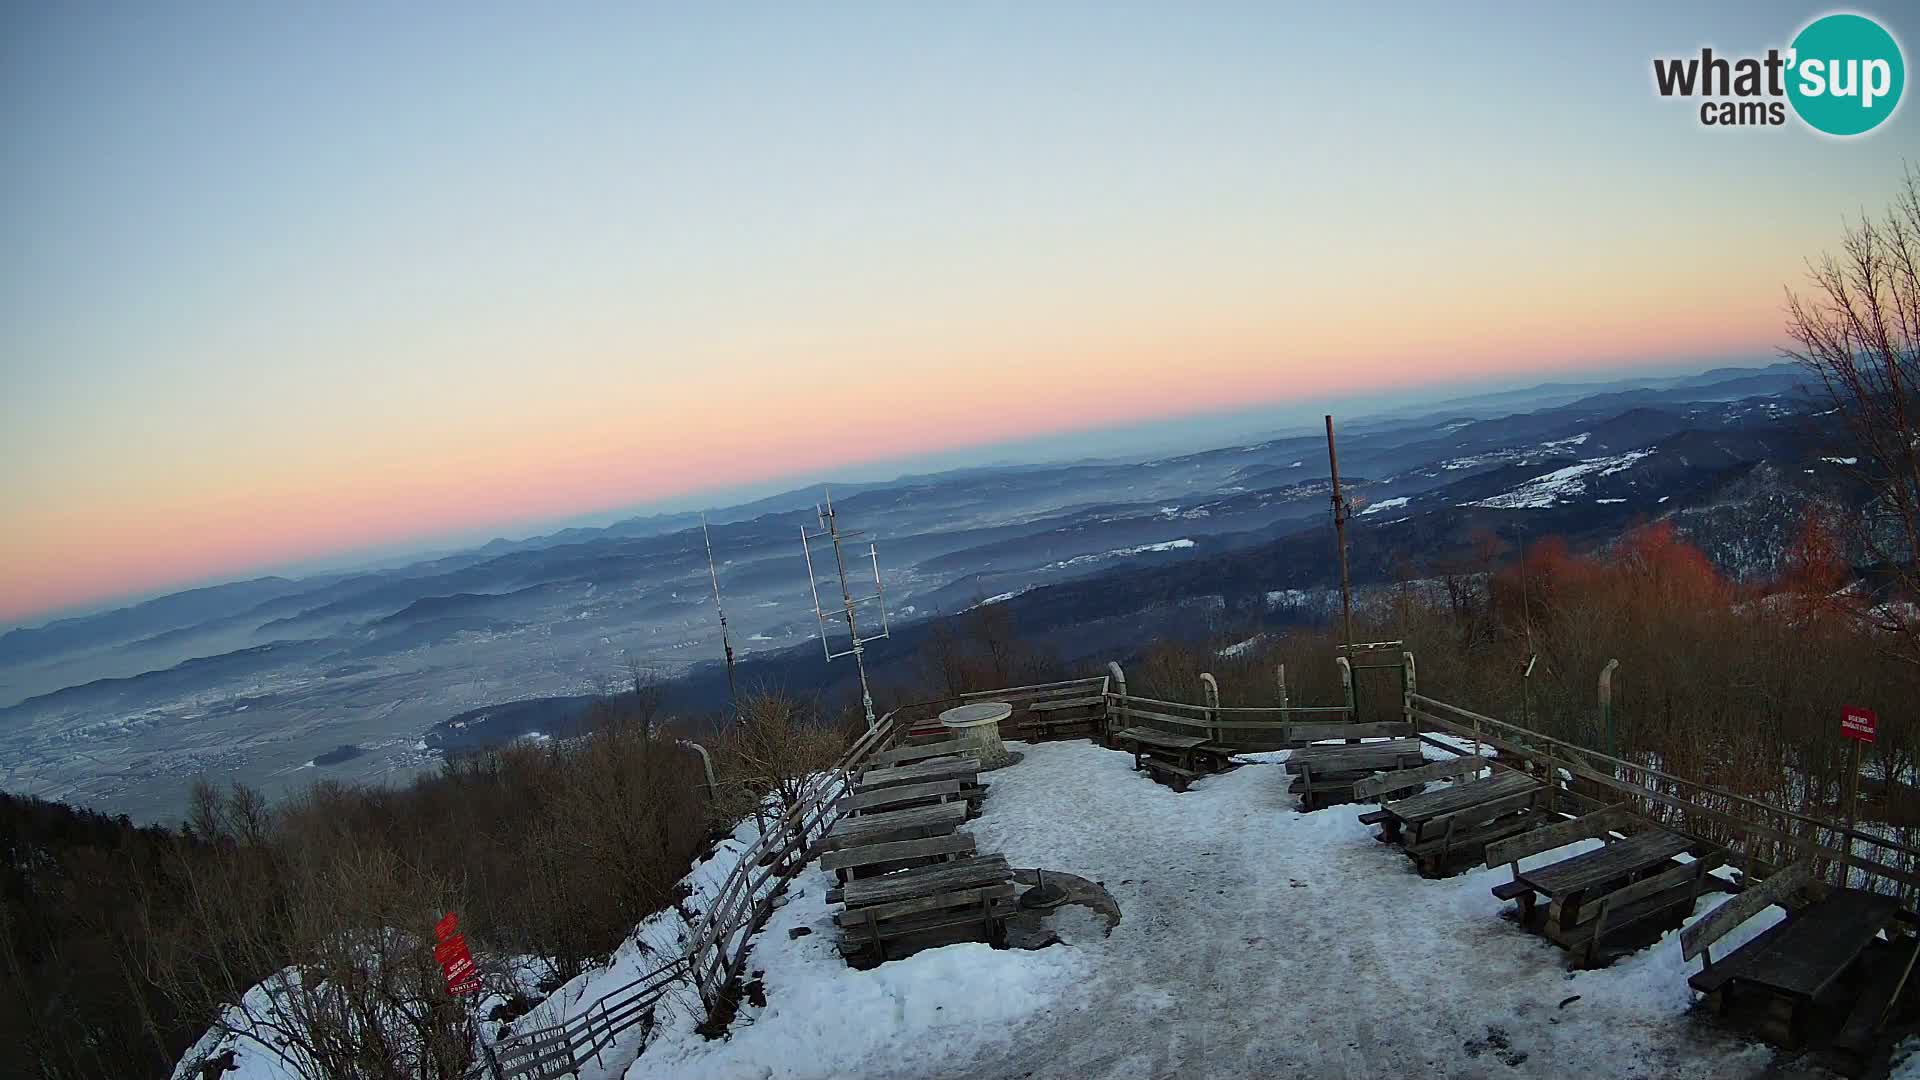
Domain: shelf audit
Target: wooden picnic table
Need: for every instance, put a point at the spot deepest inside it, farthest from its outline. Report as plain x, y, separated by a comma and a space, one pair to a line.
921, 821
1803, 955
1325, 773
1437, 828
1417, 810
1354, 757
1178, 757
1572, 878
1800, 958
925, 772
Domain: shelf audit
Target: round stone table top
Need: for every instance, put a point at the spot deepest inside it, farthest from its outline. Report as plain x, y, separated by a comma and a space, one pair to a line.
976, 715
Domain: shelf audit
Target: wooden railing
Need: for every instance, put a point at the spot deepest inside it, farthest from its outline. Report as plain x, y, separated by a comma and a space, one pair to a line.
1237, 726
1768, 837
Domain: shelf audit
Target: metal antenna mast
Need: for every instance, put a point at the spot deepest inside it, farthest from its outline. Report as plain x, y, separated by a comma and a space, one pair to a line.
1340, 514
726, 640
829, 527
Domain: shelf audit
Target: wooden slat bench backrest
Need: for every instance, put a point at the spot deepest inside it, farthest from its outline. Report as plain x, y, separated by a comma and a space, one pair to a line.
1775, 890
1652, 884
893, 796
1316, 732
1548, 837
1406, 778
958, 843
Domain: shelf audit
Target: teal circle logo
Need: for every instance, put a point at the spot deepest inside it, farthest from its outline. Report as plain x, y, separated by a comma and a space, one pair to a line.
1845, 74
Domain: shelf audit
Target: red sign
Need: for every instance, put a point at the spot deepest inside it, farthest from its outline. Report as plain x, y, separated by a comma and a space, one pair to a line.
1858, 723
456, 963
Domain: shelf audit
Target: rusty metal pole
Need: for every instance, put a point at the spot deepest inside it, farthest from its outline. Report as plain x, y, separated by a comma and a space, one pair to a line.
1340, 538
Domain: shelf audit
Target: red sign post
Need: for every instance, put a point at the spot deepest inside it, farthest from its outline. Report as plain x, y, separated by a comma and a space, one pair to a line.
1858, 723
1862, 726
456, 963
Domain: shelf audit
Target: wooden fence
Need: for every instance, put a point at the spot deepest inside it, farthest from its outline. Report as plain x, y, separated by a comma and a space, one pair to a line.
1767, 837
1245, 728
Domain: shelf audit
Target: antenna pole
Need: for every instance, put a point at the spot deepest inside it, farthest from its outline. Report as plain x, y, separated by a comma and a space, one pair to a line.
1340, 539
830, 528
846, 597
726, 641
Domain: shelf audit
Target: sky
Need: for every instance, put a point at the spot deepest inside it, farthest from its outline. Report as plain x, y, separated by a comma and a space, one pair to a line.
288, 282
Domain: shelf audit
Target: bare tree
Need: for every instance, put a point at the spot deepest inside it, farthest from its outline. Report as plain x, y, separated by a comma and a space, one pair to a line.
1858, 331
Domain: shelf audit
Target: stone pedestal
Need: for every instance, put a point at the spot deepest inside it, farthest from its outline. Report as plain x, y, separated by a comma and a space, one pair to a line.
978, 726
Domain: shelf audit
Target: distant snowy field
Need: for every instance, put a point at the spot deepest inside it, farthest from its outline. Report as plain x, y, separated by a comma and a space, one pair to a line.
1254, 941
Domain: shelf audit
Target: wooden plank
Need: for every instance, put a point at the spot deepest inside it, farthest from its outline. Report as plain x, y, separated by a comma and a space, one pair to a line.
1417, 777
1666, 879
1433, 830
883, 912
926, 880
908, 755
931, 847
921, 821
1548, 837
1428, 805
860, 939
1319, 732
1356, 757
1466, 840
1820, 944
1590, 869
1150, 737
1742, 907
1065, 703
964, 768
900, 795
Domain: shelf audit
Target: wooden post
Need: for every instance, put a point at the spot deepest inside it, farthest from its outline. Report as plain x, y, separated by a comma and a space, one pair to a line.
1853, 796
1210, 693
1119, 679
1409, 684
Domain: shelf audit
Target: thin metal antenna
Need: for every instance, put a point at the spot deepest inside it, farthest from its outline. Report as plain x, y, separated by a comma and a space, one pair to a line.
830, 528
1340, 514
726, 640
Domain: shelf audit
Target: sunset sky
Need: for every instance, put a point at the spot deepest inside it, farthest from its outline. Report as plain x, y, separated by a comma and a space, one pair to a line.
281, 287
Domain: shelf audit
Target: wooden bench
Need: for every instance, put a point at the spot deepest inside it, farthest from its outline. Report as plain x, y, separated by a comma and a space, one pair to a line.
877, 800
1175, 775
920, 822
1798, 959
1418, 777
1055, 704
908, 755
880, 858
964, 769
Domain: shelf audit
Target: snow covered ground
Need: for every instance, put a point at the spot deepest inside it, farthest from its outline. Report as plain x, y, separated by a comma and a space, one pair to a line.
1254, 941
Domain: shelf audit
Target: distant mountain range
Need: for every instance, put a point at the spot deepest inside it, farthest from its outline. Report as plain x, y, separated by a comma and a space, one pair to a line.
269, 679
